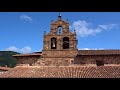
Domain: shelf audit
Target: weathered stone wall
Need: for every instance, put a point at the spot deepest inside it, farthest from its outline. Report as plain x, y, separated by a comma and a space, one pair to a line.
88, 59
59, 54
59, 38
54, 61
27, 60
56, 24
57, 58
49, 58
65, 32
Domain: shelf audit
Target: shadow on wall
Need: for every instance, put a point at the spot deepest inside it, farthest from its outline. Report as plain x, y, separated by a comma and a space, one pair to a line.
99, 62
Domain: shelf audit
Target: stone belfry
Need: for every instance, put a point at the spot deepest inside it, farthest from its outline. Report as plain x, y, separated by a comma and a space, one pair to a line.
59, 45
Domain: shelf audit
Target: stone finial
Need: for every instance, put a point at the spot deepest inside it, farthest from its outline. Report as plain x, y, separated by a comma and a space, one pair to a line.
67, 20
74, 31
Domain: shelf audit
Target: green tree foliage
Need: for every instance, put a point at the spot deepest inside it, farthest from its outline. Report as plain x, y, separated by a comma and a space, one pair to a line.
6, 58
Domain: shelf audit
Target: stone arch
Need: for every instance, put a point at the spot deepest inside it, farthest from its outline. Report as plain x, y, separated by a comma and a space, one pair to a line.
66, 43
53, 43
59, 29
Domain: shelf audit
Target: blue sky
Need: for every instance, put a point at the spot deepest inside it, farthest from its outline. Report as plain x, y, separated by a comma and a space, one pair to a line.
23, 31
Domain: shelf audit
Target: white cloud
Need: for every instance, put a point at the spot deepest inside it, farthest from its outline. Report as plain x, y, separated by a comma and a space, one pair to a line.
12, 48
26, 49
91, 48
108, 27
26, 18
84, 28
84, 49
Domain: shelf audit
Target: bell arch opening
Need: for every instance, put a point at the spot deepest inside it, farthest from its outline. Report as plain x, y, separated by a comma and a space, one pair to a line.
53, 43
65, 43
59, 29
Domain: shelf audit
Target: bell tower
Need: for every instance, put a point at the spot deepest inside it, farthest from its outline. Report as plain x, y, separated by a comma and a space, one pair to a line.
59, 45
60, 37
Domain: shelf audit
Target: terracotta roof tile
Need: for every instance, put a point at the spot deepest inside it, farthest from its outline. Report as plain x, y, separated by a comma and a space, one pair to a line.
99, 52
4, 68
63, 72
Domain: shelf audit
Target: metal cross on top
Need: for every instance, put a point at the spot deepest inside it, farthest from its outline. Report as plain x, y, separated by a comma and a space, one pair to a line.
59, 16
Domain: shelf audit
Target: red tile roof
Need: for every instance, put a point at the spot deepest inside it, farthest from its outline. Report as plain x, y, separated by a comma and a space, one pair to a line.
4, 68
99, 52
63, 72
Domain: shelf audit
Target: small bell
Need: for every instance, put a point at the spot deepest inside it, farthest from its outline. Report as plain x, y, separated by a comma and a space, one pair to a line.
59, 31
53, 44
